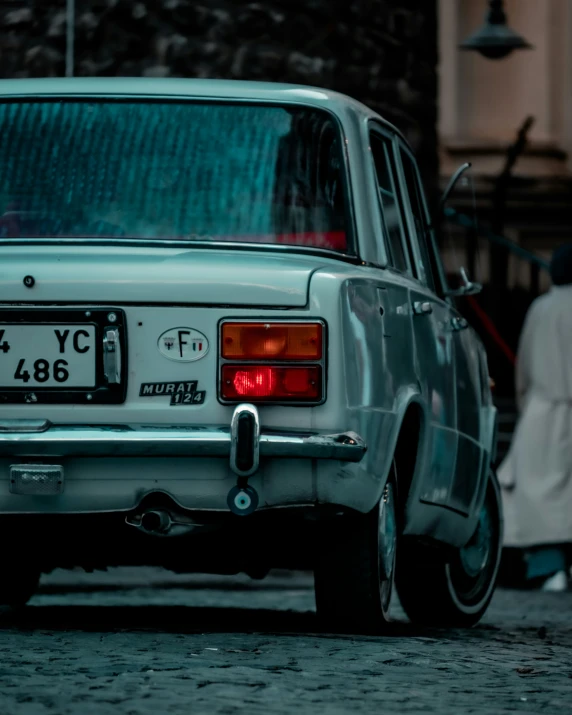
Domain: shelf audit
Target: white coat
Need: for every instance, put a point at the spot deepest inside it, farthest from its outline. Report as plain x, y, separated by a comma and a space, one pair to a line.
536, 475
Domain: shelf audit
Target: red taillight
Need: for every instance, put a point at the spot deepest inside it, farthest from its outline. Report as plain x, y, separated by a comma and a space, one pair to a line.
249, 382
266, 382
271, 341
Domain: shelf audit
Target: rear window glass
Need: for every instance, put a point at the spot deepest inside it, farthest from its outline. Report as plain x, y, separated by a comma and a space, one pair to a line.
193, 171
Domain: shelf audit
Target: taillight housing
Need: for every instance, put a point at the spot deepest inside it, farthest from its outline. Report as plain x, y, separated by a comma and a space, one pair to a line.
271, 341
279, 362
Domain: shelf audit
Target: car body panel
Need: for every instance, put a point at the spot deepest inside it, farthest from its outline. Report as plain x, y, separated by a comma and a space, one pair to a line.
83, 274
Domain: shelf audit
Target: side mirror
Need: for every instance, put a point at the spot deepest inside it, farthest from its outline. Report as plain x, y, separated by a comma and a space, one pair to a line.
468, 287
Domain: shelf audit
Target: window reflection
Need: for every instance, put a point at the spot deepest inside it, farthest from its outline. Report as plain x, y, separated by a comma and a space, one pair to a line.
198, 171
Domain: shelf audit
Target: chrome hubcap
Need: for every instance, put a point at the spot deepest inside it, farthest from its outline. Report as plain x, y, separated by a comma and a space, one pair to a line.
475, 555
387, 534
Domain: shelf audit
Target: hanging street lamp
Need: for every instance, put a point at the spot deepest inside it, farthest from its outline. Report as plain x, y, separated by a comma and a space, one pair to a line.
495, 39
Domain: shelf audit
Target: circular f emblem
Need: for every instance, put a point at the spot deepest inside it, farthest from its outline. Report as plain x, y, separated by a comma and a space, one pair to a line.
183, 344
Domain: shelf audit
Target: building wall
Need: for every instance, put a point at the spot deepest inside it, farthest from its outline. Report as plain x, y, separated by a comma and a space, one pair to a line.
381, 52
483, 100
483, 103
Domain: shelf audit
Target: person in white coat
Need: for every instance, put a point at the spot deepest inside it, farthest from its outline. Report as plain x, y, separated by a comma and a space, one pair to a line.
536, 475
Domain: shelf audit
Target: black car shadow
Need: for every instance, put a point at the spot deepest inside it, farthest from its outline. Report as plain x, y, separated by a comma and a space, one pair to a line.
194, 619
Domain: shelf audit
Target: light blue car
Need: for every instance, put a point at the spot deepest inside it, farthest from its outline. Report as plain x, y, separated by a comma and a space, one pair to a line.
227, 345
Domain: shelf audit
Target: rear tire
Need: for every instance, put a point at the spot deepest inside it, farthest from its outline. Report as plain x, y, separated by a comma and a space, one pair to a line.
455, 591
355, 570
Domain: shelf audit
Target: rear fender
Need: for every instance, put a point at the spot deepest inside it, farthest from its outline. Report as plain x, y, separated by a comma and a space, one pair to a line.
407, 398
420, 518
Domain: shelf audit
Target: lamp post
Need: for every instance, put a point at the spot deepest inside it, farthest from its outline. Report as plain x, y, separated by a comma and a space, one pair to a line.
495, 39
70, 37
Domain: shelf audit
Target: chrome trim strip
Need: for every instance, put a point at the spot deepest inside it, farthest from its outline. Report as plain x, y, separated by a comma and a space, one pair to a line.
172, 441
173, 243
345, 446
494, 437
24, 425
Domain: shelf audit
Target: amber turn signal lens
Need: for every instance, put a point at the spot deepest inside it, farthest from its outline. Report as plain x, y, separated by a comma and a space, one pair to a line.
264, 382
272, 341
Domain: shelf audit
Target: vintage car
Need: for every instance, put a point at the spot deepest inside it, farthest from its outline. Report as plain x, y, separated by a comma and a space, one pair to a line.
227, 345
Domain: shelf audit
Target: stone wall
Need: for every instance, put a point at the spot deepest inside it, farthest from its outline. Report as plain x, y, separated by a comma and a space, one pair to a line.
382, 52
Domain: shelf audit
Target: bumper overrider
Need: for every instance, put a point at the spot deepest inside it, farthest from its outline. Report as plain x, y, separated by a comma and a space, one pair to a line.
243, 442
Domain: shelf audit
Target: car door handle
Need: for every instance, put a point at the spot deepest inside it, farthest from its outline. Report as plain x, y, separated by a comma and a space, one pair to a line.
459, 324
422, 308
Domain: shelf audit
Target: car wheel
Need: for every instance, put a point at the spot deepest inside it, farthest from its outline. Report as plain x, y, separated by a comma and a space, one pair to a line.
18, 583
455, 591
355, 568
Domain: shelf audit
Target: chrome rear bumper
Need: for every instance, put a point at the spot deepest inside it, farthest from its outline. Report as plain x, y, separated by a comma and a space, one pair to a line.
41, 439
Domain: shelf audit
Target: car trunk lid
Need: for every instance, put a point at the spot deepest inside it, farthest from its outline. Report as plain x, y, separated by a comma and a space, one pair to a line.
132, 275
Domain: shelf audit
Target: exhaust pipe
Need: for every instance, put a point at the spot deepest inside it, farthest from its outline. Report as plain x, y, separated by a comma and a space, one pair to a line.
163, 522
156, 522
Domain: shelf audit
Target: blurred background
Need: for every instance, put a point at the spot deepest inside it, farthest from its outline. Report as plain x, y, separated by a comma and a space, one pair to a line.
507, 110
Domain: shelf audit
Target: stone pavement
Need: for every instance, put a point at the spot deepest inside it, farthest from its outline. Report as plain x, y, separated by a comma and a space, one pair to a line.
138, 641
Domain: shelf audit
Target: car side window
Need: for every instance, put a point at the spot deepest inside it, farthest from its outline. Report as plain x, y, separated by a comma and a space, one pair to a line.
387, 192
428, 268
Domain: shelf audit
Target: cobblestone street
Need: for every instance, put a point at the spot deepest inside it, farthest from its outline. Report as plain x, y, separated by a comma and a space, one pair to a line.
145, 641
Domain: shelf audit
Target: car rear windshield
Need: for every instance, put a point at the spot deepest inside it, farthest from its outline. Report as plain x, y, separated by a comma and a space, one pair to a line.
159, 170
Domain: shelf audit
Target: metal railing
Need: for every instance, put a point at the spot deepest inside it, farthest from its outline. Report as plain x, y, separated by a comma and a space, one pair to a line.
467, 222
487, 323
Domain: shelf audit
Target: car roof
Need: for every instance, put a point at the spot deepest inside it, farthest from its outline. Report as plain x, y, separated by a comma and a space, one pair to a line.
213, 89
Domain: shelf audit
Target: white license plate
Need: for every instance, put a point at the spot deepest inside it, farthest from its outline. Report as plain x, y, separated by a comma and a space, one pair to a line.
39, 355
